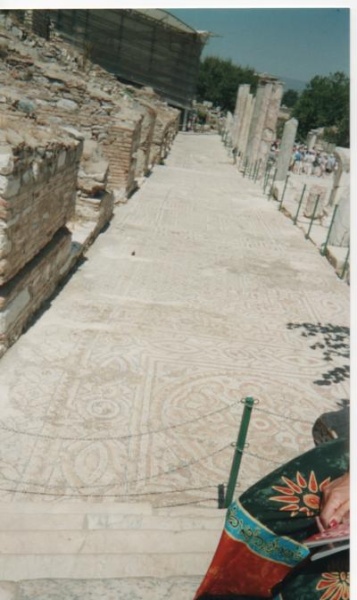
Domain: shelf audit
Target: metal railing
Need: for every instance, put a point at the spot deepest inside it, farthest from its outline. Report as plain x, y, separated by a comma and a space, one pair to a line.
268, 172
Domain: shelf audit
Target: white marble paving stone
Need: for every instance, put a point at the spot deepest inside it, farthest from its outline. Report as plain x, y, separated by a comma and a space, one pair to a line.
194, 321
103, 566
72, 522
171, 588
76, 508
108, 541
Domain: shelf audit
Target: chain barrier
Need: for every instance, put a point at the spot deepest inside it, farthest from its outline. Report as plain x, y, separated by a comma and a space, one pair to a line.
151, 477
133, 481
116, 438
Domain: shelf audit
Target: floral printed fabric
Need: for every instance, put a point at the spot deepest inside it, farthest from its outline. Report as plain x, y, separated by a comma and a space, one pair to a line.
285, 502
300, 495
335, 586
261, 558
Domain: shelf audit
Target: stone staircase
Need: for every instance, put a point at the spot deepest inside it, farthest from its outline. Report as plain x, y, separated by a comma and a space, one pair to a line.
104, 551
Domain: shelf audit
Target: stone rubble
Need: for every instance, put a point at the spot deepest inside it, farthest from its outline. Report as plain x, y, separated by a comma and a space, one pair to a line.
74, 142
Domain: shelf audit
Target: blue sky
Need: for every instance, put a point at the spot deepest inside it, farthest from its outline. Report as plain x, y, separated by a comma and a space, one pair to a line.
286, 42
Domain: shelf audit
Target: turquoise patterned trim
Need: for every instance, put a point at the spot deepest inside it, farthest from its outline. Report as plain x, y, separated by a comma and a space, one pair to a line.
241, 526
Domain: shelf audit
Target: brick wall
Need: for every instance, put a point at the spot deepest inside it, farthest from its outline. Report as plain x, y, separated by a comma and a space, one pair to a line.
120, 150
53, 108
37, 197
21, 297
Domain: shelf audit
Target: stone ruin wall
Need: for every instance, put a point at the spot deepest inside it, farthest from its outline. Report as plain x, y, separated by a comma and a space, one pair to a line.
73, 143
38, 191
120, 150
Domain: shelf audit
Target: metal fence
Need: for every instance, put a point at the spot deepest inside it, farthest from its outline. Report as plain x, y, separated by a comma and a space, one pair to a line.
265, 175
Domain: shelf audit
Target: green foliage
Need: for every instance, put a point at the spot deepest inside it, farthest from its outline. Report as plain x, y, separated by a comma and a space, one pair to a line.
290, 98
325, 102
218, 81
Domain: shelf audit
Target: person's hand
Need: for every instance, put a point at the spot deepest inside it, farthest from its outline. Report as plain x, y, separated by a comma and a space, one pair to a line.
335, 503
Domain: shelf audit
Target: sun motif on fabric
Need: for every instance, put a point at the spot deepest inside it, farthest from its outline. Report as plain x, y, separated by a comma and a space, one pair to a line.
300, 496
335, 586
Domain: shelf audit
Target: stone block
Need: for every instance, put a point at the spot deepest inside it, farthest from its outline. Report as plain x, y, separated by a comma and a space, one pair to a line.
102, 566
36, 199
317, 194
27, 291
95, 213
106, 542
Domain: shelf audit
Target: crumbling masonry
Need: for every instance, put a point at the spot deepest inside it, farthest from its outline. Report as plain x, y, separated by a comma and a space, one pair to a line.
73, 142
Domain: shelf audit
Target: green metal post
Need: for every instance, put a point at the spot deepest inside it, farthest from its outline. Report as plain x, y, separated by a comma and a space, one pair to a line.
345, 264
252, 170
267, 175
245, 166
257, 170
239, 447
324, 246
272, 184
221, 495
312, 217
283, 194
300, 203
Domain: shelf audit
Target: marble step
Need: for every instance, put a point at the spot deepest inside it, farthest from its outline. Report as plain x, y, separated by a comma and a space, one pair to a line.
93, 521
126, 508
109, 541
98, 541
134, 588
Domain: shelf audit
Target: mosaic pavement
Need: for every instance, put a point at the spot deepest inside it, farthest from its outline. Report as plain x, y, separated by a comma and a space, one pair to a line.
200, 293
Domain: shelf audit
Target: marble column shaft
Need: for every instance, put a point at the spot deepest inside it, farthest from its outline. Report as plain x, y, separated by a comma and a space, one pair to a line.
258, 119
286, 148
247, 117
340, 232
311, 140
243, 93
271, 119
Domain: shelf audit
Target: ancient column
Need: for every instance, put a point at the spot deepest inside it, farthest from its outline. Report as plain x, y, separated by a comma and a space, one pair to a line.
340, 194
340, 232
286, 148
228, 129
271, 119
247, 117
243, 93
262, 99
311, 139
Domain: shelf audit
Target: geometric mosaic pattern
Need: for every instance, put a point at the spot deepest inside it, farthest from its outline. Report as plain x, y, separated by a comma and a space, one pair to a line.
129, 386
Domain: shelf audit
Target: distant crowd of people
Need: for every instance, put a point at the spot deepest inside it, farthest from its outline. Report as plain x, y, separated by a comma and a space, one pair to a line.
312, 162
308, 162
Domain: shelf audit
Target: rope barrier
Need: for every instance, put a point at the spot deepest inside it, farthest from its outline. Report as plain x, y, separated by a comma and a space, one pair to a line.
136, 495
287, 418
140, 479
145, 478
189, 503
115, 438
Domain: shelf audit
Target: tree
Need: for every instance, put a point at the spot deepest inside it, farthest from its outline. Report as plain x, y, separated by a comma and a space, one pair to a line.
218, 81
325, 102
290, 98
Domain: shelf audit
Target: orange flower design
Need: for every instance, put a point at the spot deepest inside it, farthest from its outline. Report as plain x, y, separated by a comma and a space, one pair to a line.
336, 586
300, 496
